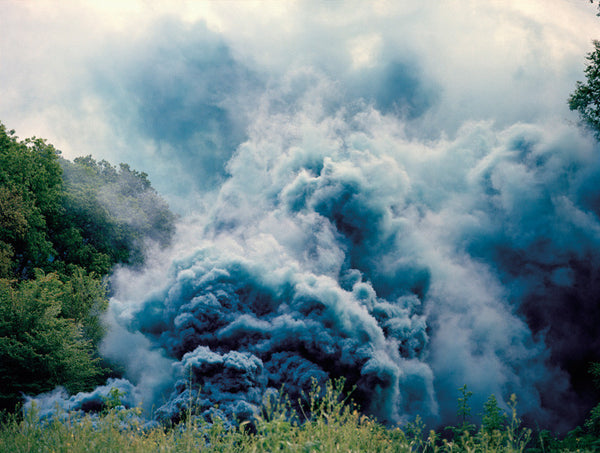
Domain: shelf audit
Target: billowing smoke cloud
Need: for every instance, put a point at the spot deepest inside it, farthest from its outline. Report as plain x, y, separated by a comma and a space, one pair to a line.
339, 247
407, 207
46, 405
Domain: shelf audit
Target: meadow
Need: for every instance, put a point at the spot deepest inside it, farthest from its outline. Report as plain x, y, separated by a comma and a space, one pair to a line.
327, 421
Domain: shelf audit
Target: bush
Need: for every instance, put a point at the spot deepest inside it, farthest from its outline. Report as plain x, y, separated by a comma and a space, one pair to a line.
39, 347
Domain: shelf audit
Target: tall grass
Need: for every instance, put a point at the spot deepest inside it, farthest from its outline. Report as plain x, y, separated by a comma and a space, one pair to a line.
325, 421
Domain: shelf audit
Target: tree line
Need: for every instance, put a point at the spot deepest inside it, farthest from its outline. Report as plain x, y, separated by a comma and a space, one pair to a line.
63, 226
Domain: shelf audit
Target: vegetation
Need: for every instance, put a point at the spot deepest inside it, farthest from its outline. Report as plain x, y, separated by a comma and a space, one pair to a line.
586, 97
114, 210
63, 226
331, 423
40, 347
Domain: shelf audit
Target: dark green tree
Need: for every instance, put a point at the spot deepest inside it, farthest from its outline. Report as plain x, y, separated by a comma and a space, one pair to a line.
31, 193
55, 214
586, 97
40, 348
63, 226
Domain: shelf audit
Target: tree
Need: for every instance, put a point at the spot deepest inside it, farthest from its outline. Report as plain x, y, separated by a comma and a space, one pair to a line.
55, 213
115, 209
586, 98
13, 227
40, 348
63, 226
30, 198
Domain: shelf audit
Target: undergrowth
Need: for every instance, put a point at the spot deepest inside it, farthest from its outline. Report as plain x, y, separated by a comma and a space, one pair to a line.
326, 421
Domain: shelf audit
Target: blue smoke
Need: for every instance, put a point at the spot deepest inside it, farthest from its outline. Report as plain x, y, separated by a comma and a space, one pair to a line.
339, 247
338, 244
46, 404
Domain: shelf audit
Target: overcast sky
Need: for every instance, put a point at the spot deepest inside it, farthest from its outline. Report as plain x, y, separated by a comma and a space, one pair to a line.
172, 86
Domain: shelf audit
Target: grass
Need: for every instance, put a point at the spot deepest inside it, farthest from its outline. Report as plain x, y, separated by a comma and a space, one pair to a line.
326, 422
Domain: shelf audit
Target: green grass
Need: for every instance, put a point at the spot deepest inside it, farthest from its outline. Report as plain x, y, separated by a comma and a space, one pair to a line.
332, 423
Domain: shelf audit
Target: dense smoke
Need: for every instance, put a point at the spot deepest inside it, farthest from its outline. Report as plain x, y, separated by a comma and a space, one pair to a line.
339, 247
391, 211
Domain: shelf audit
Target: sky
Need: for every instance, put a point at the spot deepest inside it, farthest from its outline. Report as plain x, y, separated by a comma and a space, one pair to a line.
173, 89
395, 192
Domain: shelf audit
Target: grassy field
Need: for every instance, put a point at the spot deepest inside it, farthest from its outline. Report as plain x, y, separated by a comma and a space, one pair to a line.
331, 424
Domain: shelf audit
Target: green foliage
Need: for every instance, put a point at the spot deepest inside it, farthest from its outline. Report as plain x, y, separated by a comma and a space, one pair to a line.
493, 417
339, 427
464, 409
55, 213
332, 424
30, 198
517, 437
113, 400
497, 433
63, 226
586, 97
580, 439
115, 210
84, 301
592, 424
463, 412
39, 348
589, 436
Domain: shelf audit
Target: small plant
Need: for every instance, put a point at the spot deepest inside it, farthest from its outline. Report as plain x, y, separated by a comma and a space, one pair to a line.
414, 433
114, 399
463, 412
493, 417
518, 438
